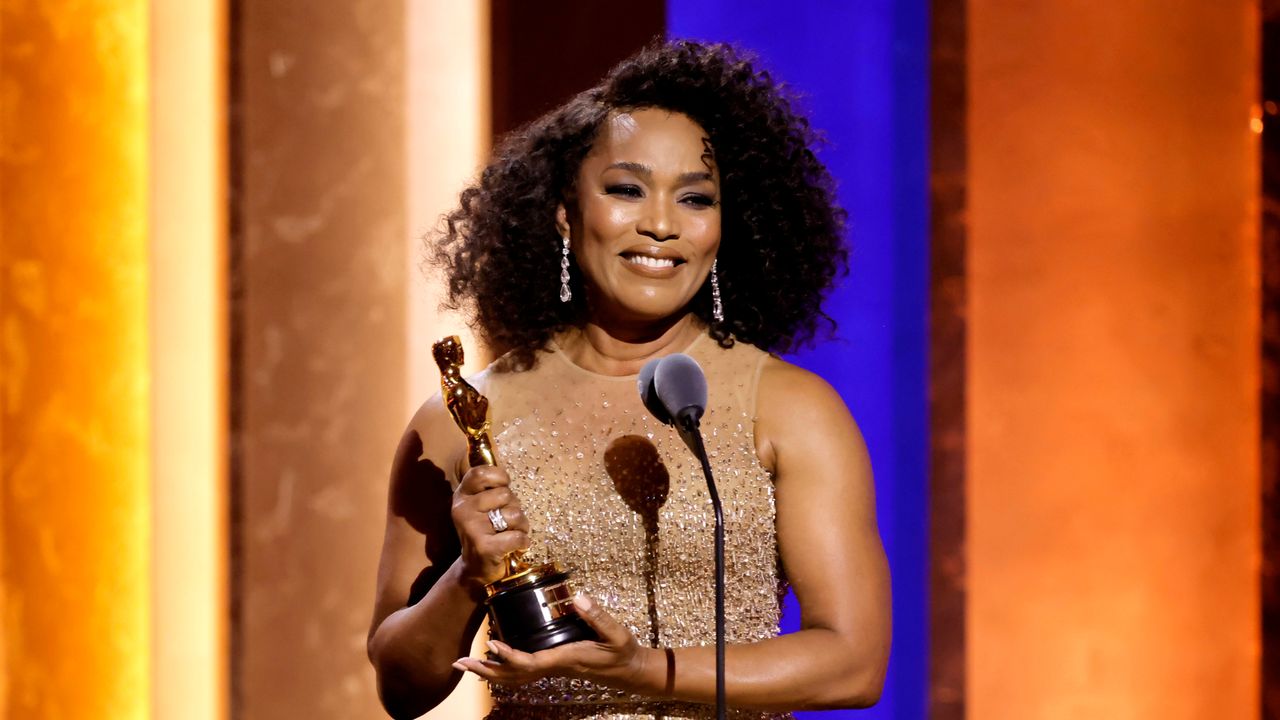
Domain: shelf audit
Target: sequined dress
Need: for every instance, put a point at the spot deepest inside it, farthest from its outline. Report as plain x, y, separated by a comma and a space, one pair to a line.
615, 495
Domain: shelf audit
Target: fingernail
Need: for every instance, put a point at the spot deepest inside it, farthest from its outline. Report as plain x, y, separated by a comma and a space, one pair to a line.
582, 602
493, 646
459, 667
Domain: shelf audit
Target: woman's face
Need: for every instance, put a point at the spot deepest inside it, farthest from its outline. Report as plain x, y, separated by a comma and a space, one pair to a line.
646, 225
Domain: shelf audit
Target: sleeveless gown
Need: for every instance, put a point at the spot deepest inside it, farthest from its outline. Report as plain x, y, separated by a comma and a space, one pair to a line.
616, 496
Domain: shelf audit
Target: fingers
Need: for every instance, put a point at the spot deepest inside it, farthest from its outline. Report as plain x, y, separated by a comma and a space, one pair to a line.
516, 660
487, 669
508, 666
616, 659
486, 500
498, 498
472, 511
484, 490
611, 631
481, 478
499, 545
511, 512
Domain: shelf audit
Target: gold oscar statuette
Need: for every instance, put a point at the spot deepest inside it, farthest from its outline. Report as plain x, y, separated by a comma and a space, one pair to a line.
531, 607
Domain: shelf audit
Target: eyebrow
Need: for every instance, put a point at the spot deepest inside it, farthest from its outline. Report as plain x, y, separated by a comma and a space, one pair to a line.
647, 172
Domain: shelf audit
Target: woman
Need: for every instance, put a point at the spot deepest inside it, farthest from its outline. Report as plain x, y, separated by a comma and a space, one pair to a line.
676, 207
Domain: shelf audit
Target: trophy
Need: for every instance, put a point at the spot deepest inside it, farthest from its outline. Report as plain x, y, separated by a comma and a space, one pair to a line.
531, 607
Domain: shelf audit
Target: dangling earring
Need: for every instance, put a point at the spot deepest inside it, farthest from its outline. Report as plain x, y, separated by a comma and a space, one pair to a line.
717, 309
565, 293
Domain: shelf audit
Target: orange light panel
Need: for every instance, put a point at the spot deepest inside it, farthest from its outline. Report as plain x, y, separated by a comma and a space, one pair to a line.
73, 358
1113, 377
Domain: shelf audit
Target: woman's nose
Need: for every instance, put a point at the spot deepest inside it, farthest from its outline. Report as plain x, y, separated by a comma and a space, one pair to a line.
658, 221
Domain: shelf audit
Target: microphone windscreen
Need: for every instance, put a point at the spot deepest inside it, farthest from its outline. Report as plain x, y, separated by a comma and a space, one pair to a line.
649, 394
681, 386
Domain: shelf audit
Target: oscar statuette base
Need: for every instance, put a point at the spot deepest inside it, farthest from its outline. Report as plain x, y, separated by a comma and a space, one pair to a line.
534, 611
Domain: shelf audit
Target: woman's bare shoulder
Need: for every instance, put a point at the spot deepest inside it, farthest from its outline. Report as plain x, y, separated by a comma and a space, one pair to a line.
779, 372
794, 405
788, 392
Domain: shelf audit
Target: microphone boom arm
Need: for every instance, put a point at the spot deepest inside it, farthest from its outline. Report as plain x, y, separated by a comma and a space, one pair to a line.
691, 433
674, 389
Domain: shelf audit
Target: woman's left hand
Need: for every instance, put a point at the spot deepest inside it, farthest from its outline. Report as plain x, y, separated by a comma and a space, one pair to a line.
616, 659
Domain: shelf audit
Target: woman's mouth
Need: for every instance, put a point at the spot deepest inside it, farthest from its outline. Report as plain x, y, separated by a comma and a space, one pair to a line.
661, 265
652, 262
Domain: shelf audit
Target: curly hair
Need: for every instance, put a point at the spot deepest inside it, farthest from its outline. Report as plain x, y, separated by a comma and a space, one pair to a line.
780, 224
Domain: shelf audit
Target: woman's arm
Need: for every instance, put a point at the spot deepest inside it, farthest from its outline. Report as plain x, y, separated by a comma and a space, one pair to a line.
412, 646
831, 552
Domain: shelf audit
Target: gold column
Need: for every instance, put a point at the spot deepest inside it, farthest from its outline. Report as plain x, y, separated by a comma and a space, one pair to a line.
73, 359
1113, 378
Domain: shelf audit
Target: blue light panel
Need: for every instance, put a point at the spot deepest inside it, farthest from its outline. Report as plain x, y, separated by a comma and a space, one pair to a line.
861, 69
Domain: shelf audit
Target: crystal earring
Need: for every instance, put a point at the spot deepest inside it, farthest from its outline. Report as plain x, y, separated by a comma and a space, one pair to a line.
717, 309
565, 293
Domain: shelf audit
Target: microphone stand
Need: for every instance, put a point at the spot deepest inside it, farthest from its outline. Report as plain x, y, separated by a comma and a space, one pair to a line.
688, 424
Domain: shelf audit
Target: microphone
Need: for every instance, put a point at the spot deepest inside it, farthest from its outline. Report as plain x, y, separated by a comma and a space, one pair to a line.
682, 388
674, 389
649, 393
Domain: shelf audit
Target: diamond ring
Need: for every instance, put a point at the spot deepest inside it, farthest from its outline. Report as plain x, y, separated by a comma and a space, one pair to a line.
495, 518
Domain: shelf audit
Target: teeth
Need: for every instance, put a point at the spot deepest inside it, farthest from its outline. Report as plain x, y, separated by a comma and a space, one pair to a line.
652, 262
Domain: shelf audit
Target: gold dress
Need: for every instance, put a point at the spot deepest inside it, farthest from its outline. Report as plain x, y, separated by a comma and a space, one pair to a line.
615, 495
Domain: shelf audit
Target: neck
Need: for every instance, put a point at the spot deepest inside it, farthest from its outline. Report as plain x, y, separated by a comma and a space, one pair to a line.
612, 350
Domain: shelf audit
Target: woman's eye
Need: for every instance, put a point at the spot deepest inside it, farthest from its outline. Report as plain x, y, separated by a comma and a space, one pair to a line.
701, 200
624, 190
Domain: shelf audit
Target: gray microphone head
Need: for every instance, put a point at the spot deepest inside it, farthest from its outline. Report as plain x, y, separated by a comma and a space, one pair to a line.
681, 386
649, 394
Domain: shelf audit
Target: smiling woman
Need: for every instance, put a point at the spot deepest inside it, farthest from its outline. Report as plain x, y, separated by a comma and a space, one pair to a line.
645, 222
503, 244
676, 206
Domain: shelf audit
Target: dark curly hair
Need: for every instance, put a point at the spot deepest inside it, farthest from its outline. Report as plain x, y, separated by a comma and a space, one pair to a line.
784, 232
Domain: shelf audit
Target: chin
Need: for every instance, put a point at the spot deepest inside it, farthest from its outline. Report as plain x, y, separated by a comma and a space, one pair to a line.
651, 314
644, 302
649, 311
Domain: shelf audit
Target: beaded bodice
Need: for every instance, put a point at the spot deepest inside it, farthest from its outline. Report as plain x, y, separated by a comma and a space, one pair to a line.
615, 495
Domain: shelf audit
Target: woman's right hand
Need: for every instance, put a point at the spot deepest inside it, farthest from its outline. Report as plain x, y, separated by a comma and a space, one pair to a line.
484, 548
